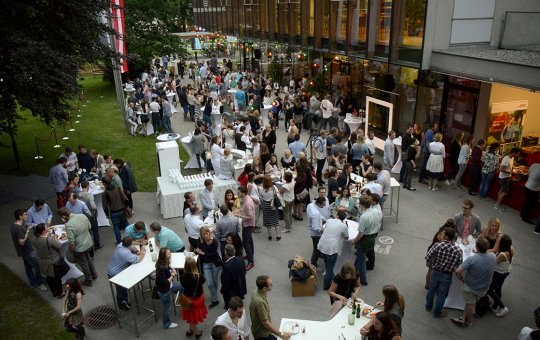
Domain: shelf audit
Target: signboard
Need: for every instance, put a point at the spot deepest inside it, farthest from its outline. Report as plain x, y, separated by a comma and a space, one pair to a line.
506, 121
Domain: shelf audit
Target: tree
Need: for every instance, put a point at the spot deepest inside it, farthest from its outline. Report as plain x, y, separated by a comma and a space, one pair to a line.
44, 44
149, 24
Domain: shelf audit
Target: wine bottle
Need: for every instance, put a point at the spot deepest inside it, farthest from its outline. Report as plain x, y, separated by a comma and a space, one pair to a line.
150, 246
358, 313
353, 306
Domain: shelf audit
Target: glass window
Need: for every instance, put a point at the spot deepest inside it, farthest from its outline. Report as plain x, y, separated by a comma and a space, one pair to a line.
407, 41
311, 31
380, 24
296, 17
429, 99
339, 20
325, 23
359, 26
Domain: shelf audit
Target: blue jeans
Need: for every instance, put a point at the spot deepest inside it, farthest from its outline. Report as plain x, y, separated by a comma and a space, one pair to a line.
486, 181
118, 221
329, 263
166, 300
31, 267
211, 276
439, 285
166, 121
360, 263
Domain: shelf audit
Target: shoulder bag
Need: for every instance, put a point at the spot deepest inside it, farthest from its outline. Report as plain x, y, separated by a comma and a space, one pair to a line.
186, 301
60, 266
276, 200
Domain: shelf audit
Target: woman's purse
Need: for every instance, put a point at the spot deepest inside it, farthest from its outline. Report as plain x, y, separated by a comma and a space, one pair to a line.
185, 301
302, 196
60, 266
276, 201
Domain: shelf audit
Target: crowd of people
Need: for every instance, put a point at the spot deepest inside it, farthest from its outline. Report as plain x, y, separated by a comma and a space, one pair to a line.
350, 183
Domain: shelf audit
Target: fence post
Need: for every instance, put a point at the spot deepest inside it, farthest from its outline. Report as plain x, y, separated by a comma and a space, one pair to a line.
56, 145
37, 148
65, 134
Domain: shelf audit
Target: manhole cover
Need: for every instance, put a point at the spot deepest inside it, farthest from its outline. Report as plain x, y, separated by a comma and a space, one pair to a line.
101, 317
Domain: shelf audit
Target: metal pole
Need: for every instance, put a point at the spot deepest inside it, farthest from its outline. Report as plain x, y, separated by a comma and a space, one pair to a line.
65, 133
116, 71
56, 145
37, 149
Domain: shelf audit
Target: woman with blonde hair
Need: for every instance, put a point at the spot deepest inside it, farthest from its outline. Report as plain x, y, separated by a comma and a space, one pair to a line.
293, 131
435, 163
492, 232
192, 282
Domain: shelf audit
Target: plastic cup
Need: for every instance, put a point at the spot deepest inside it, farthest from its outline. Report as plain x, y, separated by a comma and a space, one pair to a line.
351, 318
154, 257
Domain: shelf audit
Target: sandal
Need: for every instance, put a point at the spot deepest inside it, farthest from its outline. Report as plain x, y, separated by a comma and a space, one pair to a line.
257, 231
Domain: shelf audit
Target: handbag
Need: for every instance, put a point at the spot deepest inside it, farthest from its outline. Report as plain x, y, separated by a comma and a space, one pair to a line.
128, 212
185, 301
60, 266
276, 201
302, 196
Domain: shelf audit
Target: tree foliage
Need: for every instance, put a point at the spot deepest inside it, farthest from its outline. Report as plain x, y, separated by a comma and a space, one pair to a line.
44, 43
149, 24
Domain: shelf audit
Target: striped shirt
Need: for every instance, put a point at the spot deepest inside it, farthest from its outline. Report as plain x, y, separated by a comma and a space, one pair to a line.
445, 256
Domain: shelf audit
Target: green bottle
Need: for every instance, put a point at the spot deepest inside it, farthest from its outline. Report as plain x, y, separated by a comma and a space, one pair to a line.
353, 307
358, 311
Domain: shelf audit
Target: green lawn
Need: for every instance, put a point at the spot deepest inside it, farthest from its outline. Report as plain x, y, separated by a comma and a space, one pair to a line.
101, 128
24, 314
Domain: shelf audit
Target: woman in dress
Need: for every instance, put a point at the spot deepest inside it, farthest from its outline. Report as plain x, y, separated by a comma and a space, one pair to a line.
272, 167
288, 161
243, 177
258, 169
232, 202
455, 149
166, 284
382, 328
269, 138
270, 213
492, 232
489, 167
145, 111
48, 248
192, 282
435, 163
299, 186
207, 248
197, 140
502, 270
344, 202
72, 313
216, 152
226, 165
345, 285
366, 167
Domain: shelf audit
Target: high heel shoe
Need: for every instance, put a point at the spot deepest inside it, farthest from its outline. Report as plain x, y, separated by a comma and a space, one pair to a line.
198, 335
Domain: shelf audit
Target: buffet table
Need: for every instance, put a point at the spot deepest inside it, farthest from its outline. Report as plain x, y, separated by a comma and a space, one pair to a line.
170, 197
337, 326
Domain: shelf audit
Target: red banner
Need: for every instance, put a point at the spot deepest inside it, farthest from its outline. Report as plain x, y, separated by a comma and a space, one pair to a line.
117, 12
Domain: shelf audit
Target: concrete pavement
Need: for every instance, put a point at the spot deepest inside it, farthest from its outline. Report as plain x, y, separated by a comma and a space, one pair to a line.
421, 213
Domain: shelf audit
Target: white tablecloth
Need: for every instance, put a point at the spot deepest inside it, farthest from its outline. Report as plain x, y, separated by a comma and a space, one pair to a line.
353, 123
338, 326
170, 197
165, 137
397, 166
455, 300
97, 191
348, 252
192, 163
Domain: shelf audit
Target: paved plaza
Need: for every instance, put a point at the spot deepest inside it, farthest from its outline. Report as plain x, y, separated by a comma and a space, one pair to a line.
401, 263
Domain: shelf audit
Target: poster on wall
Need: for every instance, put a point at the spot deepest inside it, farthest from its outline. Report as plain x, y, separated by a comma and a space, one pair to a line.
506, 121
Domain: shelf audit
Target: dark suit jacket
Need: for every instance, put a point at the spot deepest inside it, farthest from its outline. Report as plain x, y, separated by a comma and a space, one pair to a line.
233, 278
343, 180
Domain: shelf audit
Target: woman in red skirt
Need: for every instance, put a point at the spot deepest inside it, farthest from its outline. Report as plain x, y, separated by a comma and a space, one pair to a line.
193, 282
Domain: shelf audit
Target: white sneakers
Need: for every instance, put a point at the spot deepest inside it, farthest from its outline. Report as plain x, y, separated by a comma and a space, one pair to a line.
502, 312
42, 287
172, 325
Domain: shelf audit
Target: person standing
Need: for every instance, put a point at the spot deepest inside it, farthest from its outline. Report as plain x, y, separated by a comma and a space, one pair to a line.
248, 223
428, 138
20, 235
207, 198
207, 248
167, 114
531, 192
435, 163
476, 166
88, 199
48, 250
166, 284
128, 180
368, 227
466, 222
389, 150
124, 256
406, 140
233, 276
192, 282
116, 201
80, 242
445, 257
39, 213
193, 224
320, 146
505, 173
287, 192
259, 311
501, 272
72, 313
331, 243
224, 226
479, 270
463, 159
234, 320
489, 167
315, 226
58, 176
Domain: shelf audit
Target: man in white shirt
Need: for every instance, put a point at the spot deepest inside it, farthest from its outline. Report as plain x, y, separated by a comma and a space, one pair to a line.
384, 179
72, 163
319, 146
369, 142
374, 187
389, 150
235, 319
331, 243
193, 224
505, 172
316, 221
327, 108
256, 146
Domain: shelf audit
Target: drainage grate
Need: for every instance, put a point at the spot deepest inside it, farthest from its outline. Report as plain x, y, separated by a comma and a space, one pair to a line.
101, 317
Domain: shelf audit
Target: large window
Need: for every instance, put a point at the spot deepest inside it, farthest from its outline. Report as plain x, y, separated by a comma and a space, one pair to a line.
382, 28
359, 26
409, 30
